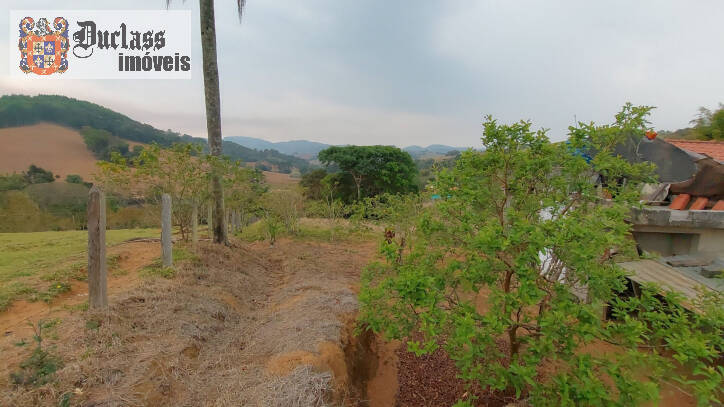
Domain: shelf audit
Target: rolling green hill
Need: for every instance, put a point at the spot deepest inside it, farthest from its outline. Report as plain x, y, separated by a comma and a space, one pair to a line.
21, 110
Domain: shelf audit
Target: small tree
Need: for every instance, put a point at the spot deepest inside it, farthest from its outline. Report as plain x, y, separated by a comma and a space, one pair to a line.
243, 187
399, 213
523, 226
37, 175
179, 171
311, 183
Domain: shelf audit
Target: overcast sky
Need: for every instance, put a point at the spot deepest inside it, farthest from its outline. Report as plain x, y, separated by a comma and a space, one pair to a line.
421, 71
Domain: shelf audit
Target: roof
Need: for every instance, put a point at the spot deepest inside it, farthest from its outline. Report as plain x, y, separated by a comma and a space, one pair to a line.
669, 278
712, 148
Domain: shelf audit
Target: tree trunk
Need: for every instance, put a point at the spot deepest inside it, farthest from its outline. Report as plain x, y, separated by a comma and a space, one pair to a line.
195, 223
358, 184
209, 221
213, 112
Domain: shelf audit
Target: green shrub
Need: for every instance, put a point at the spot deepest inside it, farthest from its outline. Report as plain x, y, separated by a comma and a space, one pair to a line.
12, 182
37, 175
39, 368
73, 179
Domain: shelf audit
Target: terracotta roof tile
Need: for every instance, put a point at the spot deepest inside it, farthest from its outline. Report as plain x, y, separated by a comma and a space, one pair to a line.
714, 149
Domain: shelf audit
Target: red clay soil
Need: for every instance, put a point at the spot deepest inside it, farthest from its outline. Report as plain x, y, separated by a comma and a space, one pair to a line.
431, 380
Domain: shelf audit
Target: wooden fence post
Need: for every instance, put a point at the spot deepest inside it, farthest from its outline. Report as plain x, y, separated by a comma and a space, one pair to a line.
166, 250
195, 223
97, 273
210, 220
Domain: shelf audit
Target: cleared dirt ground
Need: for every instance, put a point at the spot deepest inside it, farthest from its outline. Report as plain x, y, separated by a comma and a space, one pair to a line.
247, 325
52, 147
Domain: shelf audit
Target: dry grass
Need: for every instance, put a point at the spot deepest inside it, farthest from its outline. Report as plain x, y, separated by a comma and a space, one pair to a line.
302, 388
208, 336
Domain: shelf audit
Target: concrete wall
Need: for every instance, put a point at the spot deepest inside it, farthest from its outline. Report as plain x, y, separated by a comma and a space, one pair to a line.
669, 232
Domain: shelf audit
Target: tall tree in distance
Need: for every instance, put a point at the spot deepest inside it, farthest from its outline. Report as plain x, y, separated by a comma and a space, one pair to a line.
213, 107
213, 110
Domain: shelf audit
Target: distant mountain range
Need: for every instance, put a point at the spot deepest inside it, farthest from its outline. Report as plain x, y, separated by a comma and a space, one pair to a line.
299, 148
310, 149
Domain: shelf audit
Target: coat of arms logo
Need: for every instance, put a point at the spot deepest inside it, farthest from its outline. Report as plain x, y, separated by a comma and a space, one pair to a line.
43, 47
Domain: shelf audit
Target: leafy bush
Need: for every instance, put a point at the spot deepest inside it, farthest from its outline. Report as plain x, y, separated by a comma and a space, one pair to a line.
522, 226
12, 182
73, 179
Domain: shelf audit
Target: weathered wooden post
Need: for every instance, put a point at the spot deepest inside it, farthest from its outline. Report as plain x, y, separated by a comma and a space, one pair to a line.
228, 220
97, 277
210, 220
195, 223
166, 253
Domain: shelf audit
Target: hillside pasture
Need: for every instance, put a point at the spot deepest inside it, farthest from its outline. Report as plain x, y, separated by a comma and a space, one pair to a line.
52, 147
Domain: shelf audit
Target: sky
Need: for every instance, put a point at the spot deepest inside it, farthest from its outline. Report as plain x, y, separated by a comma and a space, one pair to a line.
420, 71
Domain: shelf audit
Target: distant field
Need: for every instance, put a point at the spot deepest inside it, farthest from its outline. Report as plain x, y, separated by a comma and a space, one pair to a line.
55, 148
30, 261
62, 151
279, 179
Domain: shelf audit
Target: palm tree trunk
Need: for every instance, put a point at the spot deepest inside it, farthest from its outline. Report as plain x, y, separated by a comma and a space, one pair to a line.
213, 112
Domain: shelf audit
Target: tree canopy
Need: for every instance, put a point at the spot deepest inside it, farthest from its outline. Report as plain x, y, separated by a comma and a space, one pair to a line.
709, 125
373, 169
509, 271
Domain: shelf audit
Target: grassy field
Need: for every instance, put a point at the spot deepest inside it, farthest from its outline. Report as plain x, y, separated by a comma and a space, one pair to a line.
40, 265
313, 229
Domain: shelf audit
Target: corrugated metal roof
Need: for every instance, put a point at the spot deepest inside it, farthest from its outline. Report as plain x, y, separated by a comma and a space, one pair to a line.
669, 278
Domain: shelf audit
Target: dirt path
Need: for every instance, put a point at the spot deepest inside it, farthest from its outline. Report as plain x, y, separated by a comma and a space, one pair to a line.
132, 257
248, 325
15, 321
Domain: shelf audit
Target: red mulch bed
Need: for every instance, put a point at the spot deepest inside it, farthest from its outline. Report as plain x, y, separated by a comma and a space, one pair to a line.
430, 381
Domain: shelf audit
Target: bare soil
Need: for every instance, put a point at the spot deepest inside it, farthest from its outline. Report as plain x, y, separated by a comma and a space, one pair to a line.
52, 147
